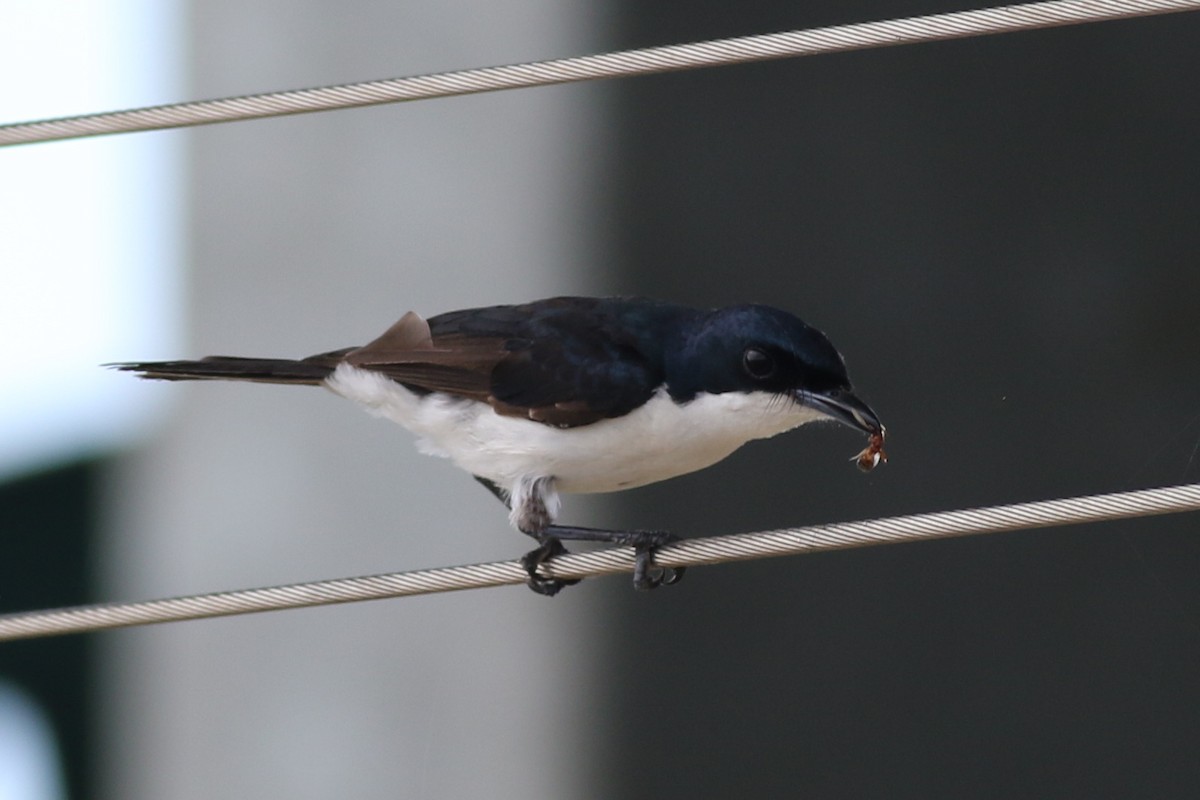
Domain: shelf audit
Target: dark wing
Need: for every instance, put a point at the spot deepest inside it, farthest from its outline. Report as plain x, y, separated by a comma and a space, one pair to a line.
565, 362
407, 353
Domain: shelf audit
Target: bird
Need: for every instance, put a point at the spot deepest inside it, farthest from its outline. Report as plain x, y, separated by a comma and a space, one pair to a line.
578, 395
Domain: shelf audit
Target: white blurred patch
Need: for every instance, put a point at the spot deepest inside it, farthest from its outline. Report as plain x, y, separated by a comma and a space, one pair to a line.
30, 767
89, 246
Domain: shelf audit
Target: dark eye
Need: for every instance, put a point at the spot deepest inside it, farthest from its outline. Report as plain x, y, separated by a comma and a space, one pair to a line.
757, 363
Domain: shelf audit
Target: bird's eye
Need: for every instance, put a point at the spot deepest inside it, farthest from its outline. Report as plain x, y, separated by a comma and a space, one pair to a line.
757, 363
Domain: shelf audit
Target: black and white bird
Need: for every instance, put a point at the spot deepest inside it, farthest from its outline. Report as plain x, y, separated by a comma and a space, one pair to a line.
578, 395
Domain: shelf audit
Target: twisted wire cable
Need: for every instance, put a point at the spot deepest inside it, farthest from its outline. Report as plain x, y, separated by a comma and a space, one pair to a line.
685, 553
717, 52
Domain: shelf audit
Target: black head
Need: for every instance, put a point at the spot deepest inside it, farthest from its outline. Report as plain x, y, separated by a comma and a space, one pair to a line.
755, 348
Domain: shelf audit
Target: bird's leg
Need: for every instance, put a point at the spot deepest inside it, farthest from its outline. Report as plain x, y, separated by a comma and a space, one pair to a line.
549, 546
496, 491
534, 520
646, 574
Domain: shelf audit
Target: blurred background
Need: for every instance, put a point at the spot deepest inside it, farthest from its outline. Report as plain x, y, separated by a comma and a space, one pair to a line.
999, 233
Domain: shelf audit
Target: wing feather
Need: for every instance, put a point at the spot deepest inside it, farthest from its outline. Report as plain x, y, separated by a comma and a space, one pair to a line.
564, 362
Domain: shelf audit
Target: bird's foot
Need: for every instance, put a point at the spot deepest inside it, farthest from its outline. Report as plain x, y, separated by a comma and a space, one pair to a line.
646, 574
548, 549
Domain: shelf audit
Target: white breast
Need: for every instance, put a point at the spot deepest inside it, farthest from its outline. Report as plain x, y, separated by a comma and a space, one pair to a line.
659, 440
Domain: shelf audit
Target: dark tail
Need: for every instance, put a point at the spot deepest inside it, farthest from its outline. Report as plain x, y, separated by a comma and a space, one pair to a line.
309, 372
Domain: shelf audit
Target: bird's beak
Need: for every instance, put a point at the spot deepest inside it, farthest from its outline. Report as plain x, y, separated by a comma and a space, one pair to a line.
844, 406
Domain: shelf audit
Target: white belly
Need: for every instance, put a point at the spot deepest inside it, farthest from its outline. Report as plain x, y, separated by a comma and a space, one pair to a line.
657, 441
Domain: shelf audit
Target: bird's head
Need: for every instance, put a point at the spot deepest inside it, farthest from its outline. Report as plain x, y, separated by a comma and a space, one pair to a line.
759, 349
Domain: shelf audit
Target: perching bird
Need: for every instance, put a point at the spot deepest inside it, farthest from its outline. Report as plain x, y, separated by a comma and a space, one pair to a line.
578, 395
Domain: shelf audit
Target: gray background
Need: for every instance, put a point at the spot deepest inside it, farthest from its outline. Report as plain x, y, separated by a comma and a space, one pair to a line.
307, 237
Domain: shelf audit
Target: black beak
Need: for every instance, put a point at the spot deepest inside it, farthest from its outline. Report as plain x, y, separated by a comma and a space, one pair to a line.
844, 406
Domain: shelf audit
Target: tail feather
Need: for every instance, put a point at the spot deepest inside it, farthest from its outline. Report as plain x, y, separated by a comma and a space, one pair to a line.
311, 372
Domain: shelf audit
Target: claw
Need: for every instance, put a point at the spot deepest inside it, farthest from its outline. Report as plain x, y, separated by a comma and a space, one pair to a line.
646, 574
547, 587
672, 575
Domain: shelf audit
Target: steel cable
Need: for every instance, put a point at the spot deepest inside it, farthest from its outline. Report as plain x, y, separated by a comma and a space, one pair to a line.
718, 52
686, 553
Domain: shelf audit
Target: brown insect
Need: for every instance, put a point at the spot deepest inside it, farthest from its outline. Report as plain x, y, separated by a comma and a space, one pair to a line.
872, 455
